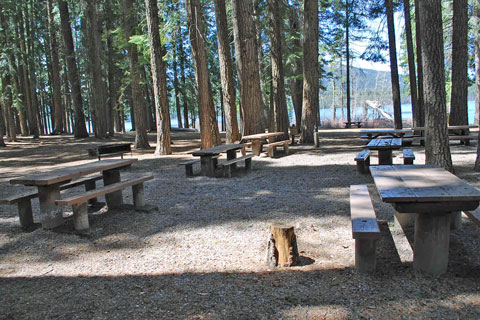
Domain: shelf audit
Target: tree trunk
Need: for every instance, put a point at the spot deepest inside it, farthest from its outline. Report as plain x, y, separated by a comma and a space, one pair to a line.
7, 108
397, 106
476, 21
296, 84
112, 114
310, 71
278, 78
248, 66
417, 122
458, 97
79, 128
138, 102
176, 88
208, 122
226, 74
347, 44
57, 100
98, 87
418, 40
184, 82
437, 149
159, 79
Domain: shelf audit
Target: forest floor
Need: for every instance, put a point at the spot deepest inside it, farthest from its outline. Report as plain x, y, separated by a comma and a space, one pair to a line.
202, 254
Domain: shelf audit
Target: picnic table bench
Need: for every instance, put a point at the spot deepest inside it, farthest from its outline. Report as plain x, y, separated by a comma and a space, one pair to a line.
358, 124
257, 141
110, 150
458, 132
384, 147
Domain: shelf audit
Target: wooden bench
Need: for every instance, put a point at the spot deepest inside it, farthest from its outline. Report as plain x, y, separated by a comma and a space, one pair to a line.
272, 146
363, 161
408, 156
25, 205
365, 228
110, 150
79, 202
189, 165
227, 165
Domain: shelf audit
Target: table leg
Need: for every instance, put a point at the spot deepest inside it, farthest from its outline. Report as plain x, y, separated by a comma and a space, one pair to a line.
232, 154
113, 199
256, 147
384, 157
207, 166
432, 241
405, 220
50, 213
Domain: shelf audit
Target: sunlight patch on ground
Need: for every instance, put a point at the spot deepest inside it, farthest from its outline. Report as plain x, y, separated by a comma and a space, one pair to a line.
331, 312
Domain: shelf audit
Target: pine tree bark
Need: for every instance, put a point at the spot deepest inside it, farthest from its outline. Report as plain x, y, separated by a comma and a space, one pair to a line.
459, 93
347, 60
7, 108
437, 149
310, 71
476, 21
208, 122
79, 128
57, 99
95, 67
417, 118
278, 77
159, 79
138, 101
246, 53
296, 84
176, 88
226, 74
397, 107
183, 78
418, 41
112, 113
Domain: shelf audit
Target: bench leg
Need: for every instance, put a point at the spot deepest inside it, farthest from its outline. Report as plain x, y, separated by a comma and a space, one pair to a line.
248, 164
456, 220
91, 185
50, 213
138, 196
25, 214
227, 172
365, 260
285, 147
114, 199
407, 161
80, 216
256, 147
189, 170
362, 166
271, 151
404, 220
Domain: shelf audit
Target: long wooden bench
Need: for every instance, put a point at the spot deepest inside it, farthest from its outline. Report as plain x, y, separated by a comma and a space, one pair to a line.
272, 146
189, 165
110, 150
408, 156
24, 204
365, 228
229, 164
363, 161
79, 202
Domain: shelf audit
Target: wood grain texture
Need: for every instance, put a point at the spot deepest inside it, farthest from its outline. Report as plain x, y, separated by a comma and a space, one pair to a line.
364, 221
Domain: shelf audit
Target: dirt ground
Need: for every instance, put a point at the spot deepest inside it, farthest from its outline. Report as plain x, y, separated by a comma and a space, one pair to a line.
201, 255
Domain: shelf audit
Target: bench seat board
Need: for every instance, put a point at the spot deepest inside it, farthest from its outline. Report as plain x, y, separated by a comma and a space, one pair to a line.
235, 160
364, 154
364, 221
277, 143
101, 191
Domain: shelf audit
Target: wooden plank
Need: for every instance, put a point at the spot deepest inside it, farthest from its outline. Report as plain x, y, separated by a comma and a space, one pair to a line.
365, 153
277, 143
404, 249
217, 149
65, 174
79, 182
18, 197
261, 136
235, 160
101, 191
364, 221
408, 153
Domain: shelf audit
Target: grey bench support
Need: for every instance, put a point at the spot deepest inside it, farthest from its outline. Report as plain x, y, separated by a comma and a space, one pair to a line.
363, 161
408, 156
24, 204
365, 228
79, 202
227, 165
189, 165
271, 147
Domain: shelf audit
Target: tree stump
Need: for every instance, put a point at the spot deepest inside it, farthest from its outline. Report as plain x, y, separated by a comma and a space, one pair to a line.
282, 247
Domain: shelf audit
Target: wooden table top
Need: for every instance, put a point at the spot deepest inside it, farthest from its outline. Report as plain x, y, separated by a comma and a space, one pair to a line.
386, 131
421, 183
385, 144
260, 136
68, 173
217, 149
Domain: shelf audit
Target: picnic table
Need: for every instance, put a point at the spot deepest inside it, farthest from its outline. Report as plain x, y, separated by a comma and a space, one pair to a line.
112, 149
358, 124
433, 194
49, 185
460, 132
394, 133
258, 138
209, 156
384, 147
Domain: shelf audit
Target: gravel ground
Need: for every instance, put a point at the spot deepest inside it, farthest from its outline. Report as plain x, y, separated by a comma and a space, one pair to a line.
201, 255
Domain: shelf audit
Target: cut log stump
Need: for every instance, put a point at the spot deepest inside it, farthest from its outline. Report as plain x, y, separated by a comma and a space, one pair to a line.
282, 247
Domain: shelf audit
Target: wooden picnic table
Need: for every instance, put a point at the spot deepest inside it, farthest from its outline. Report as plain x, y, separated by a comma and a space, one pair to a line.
347, 124
394, 133
258, 138
208, 157
384, 147
461, 132
433, 194
48, 184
